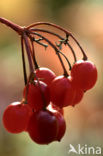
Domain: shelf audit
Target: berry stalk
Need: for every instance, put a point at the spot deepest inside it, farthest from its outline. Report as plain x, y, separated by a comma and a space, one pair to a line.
56, 50
62, 40
28, 50
12, 25
23, 60
62, 29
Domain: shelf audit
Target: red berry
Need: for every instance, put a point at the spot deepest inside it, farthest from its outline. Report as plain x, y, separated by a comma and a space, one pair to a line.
61, 122
16, 117
45, 75
38, 95
54, 108
84, 74
59, 86
78, 96
43, 127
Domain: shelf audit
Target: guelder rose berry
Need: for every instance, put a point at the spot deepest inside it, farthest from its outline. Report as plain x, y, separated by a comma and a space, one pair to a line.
45, 95
38, 95
45, 75
54, 108
78, 94
84, 74
43, 127
58, 89
61, 121
16, 117
61, 125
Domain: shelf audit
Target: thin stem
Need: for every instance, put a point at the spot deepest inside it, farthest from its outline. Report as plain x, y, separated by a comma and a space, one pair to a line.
31, 50
12, 25
56, 50
62, 29
84, 55
23, 61
75, 58
27, 46
33, 55
32, 74
61, 54
27, 88
66, 60
55, 34
50, 24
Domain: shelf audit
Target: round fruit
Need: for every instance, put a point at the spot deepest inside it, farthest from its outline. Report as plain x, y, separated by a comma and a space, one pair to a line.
61, 122
43, 127
84, 74
45, 75
53, 108
16, 117
59, 86
78, 96
38, 95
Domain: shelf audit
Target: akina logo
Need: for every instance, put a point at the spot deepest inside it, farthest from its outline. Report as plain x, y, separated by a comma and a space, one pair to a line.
85, 150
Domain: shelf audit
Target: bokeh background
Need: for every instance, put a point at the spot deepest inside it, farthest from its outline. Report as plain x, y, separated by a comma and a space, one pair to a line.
84, 18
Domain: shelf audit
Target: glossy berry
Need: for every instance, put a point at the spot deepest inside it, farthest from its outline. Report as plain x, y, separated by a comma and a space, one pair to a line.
84, 74
38, 95
16, 117
59, 86
61, 122
61, 125
78, 96
54, 108
45, 75
43, 127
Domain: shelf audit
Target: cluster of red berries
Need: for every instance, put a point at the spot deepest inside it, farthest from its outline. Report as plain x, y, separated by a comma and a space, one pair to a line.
40, 113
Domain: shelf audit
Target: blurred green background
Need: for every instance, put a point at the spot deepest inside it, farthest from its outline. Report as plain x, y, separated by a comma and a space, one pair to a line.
84, 18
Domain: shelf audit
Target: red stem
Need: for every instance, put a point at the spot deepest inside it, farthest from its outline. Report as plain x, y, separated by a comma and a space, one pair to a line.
51, 24
28, 49
23, 61
57, 35
56, 50
62, 29
12, 25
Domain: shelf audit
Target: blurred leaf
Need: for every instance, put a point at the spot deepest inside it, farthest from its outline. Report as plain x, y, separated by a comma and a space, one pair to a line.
51, 8
55, 5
